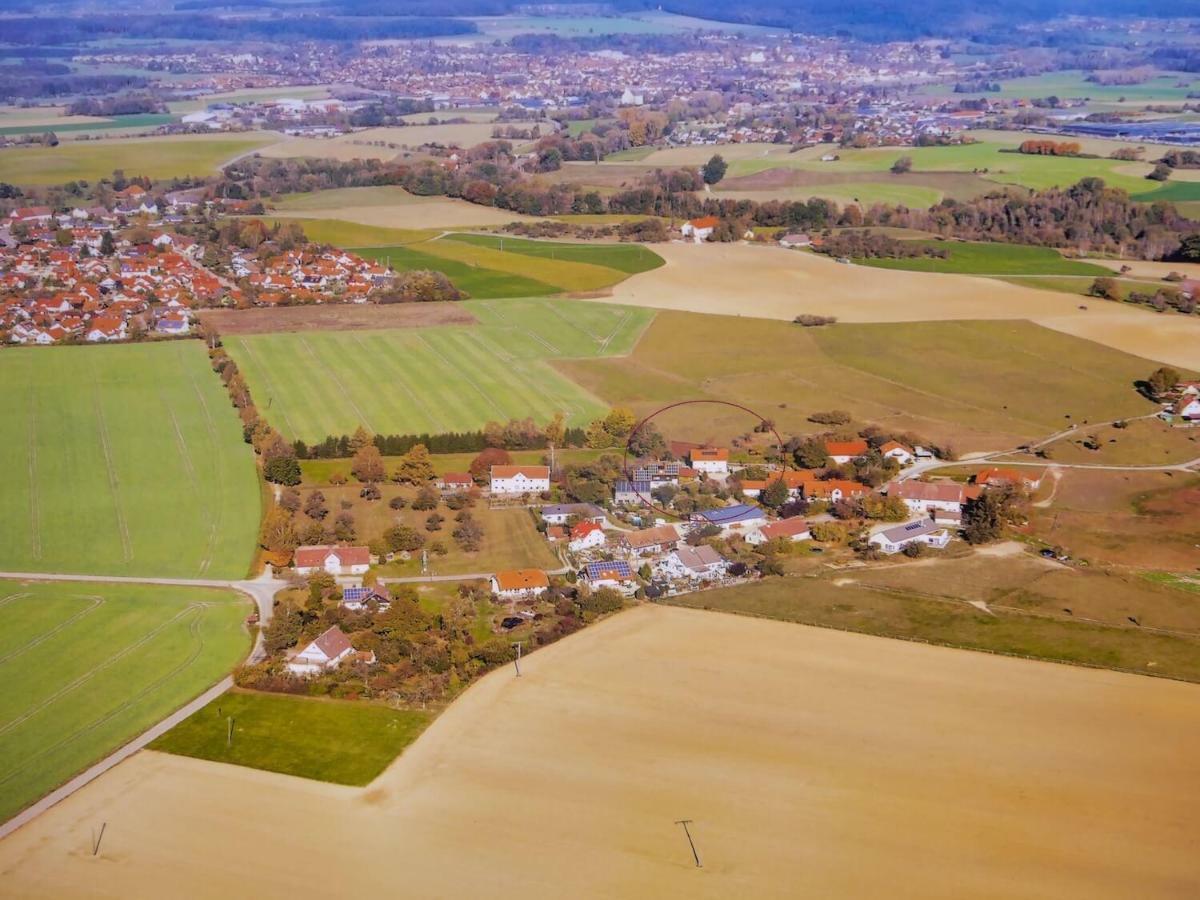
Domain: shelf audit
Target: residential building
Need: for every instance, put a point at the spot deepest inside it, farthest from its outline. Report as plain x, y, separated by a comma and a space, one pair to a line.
649, 541
332, 559
586, 536
926, 496
741, 518
923, 531
844, 451
897, 451
699, 229
519, 584
520, 479
561, 513
793, 529
328, 651
359, 598
710, 460
455, 483
632, 493
1028, 479
616, 574
701, 563
834, 490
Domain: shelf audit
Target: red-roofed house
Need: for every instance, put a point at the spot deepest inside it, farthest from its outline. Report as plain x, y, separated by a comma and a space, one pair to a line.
897, 451
710, 460
455, 482
519, 584
835, 490
520, 479
699, 229
793, 529
844, 451
332, 559
328, 651
585, 536
926, 496
1029, 479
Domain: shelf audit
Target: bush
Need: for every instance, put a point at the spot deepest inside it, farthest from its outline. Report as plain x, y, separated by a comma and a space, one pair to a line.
832, 417
811, 321
421, 286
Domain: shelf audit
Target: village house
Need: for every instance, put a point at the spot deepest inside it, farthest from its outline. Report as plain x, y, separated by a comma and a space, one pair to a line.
520, 479
926, 496
586, 536
556, 534
455, 483
793, 529
332, 559
649, 541
844, 451
616, 574
897, 451
519, 584
1027, 479
793, 479
710, 460
700, 563
795, 240
1186, 408
834, 490
562, 513
699, 229
328, 651
922, 531
632, 493
359, 599
741, 518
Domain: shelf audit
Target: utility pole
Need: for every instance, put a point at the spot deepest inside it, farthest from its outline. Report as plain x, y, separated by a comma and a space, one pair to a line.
685, 823
96, 840
517, 661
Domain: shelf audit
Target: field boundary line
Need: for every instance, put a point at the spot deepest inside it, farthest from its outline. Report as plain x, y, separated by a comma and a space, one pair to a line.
417, 401
35, 517
96, 603
362, 418
471, 381
113, 481
93, 672
193, 629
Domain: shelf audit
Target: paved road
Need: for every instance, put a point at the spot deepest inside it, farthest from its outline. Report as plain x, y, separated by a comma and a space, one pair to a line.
29, 814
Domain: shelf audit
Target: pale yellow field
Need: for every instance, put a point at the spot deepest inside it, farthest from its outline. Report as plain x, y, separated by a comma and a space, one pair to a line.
382, 143
772, 283
813, 763
52, 116
392, 207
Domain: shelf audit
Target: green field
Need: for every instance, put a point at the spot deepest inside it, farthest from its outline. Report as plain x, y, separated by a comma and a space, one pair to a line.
477, 282
968, 258
1071, 84
327, 740
436, 379
340, 233
87, 667
123, 460
116, 123
162, 157
628, 258
973, 385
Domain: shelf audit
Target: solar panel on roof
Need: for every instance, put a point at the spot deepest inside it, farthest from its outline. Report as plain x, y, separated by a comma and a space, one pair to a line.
619, 568
356, 594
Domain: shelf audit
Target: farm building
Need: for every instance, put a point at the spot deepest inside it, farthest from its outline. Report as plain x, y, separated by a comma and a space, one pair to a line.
332, 559
740, 518
648, 541
632, 493
926, 496
1029, 479
699, 229
844, 451
328, 651
794, 479
897, 451
560, 513
656, 471
586, 536
835, 490
710, 460
520, 479
922, 531
795, 240
793, 529
455, 483
1186, 409
519, 584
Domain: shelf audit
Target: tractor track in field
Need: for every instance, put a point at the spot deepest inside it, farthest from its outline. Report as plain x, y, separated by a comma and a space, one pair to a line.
216, 509
4, 601
533, 334
93, 672
35, 511
412, 395
616, 330
193, 629
471, 381
113, 481
96, 603
362, 417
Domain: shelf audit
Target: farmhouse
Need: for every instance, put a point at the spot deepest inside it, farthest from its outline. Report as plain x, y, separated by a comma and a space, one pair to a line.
328, 651
616, 574
632, 493
519, 584
921, 531
455, 483
1030, 479
586, 536
561, 513
699, 229
925, 496
1186, 408
793, 529
710, 460
897, 451
702, 563
332, 559
795, 240
520, 479
649, 541
794, 479
834, 490
844, 451
740, 518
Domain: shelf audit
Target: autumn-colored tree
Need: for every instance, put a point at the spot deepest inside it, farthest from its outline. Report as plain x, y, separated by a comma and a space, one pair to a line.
414, 467
481, 465
279, 532
360, 439
367, 465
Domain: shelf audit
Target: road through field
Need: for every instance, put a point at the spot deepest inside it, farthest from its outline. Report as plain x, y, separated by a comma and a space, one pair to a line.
811, 763
773, 283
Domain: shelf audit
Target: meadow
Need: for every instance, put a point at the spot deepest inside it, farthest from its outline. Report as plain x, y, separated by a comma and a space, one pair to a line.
478, 282
328, 740
628, 258
159, 157
87, 667
389, 206
438, 379
123, 460
381, 143
970, 258
975, 385
1071, 84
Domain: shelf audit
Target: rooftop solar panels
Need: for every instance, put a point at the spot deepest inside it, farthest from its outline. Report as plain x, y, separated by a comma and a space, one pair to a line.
616, 569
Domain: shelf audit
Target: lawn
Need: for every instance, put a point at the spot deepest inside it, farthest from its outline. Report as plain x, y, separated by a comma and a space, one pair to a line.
87, 667
123, 460
437, 379
1027, 615
974, 385
161, 157
346, 742
628, 258
476, 281
969, 258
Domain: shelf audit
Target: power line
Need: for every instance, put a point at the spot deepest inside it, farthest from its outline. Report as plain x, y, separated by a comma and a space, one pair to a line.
691, 843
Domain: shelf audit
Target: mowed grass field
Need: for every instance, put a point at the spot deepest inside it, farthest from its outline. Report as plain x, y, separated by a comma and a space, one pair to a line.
437, 379
158, 157
123, 460
478, 282
970, 258
87, 667
974, 385
341, 741
628, 258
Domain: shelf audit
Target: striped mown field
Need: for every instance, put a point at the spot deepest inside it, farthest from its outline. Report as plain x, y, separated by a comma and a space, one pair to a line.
436, 379
86, 667
123, 460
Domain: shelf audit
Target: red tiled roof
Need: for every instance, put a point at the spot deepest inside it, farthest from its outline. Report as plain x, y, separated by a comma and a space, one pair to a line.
333, 643
521, 579
845, 448
313, 556
784, 528
530, 472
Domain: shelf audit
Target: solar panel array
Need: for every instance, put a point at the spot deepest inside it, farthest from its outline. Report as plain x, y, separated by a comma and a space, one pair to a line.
619, 569
356, 594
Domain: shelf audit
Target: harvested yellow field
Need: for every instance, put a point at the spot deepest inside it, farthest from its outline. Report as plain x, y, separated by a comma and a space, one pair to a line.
1139, 268
566, 274
50, 116
772, 283
811, 763
383, 143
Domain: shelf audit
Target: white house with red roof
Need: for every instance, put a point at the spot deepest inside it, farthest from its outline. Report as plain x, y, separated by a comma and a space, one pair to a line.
332, 559
699, 229
586, 536
328, 651
897, 451
926, 496
844, 451
520, 479
793, 529
710, 460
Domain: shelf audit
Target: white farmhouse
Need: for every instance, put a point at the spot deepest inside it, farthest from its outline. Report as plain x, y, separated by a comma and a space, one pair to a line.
331, 559
328, 651
923, 531
520, 479
710, 460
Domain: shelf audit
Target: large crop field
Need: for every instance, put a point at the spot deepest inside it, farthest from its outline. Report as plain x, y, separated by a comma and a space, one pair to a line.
799, 754
967, 258
628, 258
975, 385
389, 206
86, 667
1071, 84
153, 157
123, 460
438, 379
478, 282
